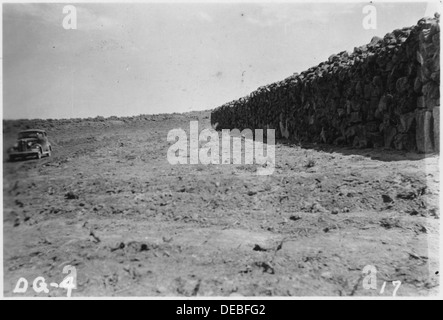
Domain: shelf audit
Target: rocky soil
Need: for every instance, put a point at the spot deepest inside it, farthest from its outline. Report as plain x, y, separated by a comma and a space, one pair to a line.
109, 203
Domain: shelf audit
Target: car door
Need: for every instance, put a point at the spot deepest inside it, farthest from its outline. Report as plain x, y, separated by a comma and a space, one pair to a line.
46, 142
43, 141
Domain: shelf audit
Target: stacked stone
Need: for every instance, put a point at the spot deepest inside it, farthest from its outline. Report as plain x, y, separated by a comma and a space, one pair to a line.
428, 80
370, 97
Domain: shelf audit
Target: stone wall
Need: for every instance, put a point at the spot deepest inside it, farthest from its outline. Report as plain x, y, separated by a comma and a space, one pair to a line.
383, 94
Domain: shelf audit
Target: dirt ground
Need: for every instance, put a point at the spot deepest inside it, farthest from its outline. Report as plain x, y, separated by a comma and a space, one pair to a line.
109, 203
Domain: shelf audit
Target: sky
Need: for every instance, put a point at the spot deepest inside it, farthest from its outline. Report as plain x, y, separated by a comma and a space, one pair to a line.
148, 58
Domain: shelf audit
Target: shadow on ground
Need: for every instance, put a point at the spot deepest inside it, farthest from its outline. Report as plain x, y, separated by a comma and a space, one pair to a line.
380, 154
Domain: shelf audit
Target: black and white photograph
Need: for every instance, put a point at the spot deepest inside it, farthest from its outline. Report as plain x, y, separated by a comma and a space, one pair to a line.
228, 150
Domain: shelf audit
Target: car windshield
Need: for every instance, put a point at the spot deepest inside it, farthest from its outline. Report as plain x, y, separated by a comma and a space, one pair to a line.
30, 134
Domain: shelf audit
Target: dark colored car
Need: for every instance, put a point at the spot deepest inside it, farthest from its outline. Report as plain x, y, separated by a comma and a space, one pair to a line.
32, 142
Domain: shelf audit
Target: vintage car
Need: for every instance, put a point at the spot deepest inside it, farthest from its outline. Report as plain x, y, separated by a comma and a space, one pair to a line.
32, 142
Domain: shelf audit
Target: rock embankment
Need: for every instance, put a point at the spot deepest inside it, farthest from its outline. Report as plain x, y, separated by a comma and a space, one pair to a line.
383, 94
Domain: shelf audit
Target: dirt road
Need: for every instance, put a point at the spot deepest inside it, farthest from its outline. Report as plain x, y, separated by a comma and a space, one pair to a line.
109, 203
